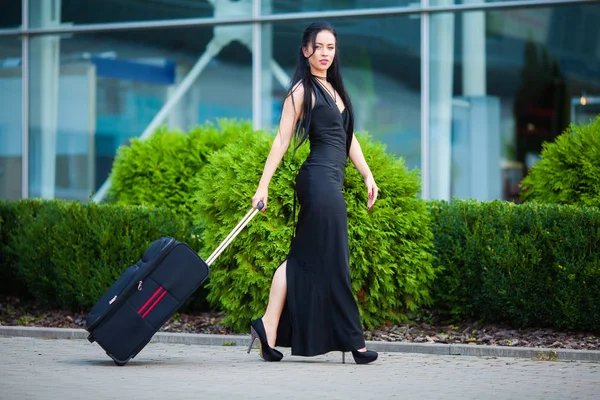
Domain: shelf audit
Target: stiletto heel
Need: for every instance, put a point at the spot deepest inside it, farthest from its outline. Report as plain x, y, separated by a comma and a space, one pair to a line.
343, 357
257, 330
253, 337
364, 357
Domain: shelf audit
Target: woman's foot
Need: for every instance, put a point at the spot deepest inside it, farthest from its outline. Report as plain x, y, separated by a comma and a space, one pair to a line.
257, 330
364, 356
270, 331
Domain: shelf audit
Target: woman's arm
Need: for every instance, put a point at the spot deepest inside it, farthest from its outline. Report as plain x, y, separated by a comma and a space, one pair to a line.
289, 116
358, 159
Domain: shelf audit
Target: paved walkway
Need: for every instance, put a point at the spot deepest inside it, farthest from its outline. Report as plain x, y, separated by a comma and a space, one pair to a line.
76, 369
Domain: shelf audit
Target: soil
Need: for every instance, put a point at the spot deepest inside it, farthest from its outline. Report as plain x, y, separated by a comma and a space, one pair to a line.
14, 312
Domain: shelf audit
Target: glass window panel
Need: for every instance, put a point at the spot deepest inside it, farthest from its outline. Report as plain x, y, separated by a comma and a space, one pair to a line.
109, 11
91, 93
289, 6
10, 16
466, 2
380, 59
10, 118
502, 83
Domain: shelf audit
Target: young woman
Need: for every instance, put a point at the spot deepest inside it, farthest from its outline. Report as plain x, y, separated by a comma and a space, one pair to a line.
311, 306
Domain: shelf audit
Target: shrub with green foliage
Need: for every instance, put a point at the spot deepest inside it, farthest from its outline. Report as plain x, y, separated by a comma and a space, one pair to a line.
390, 246
68, 254
529, 265
9, 283
158, 170
569, 171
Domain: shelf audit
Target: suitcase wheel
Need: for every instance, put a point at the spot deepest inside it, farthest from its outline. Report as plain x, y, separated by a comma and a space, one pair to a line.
118, 362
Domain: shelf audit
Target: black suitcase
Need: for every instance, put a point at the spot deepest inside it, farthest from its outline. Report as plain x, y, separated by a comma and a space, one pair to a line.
148, 293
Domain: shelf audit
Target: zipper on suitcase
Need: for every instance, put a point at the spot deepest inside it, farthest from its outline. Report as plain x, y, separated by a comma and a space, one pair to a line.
120, 298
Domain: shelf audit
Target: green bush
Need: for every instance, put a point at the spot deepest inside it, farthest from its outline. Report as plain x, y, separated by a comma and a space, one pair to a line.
68, 254
391, 263
158, 170
9, 282
569, 171
529, 265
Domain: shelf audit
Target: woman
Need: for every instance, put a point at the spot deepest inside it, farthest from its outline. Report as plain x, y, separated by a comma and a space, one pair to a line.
311, 307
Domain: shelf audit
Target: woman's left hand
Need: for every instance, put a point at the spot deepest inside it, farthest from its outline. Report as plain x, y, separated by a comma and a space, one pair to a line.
372, 191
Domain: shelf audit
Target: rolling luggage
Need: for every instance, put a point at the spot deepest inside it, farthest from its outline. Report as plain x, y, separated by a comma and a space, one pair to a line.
148, 293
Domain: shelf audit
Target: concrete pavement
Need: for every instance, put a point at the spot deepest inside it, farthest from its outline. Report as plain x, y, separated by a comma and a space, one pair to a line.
379, 346
34, 368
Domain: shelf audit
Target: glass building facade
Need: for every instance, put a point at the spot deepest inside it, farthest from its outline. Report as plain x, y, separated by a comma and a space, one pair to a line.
465, 90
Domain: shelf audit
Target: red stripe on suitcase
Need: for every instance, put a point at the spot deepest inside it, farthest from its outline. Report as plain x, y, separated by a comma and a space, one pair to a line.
141, 310
154, 304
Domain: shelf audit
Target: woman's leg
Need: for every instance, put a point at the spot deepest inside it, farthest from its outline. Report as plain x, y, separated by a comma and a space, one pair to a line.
277, 299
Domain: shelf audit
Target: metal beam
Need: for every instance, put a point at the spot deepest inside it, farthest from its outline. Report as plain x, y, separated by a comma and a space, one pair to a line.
353, 13
13, 31
212, 49
441, 79
25, 103
44, 73
256, 51
425, 79
279, 74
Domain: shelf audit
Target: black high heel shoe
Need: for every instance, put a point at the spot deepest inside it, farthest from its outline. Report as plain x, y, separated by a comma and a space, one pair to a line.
361, 357
257, 330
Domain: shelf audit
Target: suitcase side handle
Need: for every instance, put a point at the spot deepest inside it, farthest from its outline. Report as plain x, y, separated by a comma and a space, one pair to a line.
241, 225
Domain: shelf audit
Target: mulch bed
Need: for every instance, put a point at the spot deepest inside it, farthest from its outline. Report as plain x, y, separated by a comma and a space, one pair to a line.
14, 312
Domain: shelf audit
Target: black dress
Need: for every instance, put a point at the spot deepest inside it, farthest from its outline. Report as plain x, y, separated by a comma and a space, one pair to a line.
320, 314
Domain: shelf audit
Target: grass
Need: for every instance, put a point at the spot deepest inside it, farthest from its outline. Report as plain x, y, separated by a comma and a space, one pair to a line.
27, 319
545, 356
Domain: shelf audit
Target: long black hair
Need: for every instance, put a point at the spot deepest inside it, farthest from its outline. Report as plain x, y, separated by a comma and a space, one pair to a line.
303, 75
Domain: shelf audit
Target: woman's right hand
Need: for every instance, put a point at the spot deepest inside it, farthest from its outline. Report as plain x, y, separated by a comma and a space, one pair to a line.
261, 195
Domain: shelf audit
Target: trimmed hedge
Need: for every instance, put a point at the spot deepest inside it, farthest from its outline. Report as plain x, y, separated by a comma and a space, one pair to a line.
529, 265
9, 282
390, 247
68, 254
569, 171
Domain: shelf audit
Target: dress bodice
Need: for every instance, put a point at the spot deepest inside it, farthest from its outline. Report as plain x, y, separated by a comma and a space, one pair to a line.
328, 130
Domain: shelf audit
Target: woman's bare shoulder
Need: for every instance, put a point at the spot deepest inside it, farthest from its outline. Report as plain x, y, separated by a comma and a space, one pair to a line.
297, 91
296, 97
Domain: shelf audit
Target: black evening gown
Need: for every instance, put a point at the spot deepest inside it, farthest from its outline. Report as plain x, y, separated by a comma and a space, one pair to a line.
321, 314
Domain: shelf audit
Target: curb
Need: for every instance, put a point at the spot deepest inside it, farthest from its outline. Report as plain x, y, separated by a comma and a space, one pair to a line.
390, 347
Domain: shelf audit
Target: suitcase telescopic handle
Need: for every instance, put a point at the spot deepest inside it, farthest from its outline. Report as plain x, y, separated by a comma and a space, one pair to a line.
241, 225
